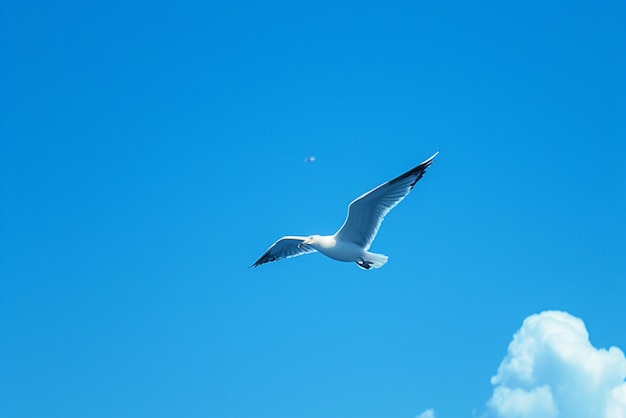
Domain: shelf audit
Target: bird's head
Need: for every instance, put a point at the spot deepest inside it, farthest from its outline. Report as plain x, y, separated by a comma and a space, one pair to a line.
312, 240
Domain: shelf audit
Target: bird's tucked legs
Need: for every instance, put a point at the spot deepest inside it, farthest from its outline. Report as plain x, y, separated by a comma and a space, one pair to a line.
364, 264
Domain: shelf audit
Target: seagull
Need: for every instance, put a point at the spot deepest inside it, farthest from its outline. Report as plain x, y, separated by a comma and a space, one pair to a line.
353, 240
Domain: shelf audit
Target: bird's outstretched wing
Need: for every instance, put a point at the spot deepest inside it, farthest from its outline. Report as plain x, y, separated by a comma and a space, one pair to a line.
285, 247
366, 213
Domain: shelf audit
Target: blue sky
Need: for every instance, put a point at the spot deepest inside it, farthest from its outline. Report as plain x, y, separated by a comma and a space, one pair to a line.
150, 153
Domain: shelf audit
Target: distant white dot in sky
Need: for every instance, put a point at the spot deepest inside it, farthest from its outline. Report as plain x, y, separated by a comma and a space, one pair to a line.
309, 159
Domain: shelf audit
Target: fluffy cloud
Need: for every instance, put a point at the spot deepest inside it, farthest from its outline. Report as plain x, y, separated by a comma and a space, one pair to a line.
551, 370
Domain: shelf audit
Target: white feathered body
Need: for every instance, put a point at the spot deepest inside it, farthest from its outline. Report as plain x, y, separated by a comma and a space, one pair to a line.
345, 251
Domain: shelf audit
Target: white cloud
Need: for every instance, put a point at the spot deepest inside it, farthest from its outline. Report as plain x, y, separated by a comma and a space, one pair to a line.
429, 413
551, 370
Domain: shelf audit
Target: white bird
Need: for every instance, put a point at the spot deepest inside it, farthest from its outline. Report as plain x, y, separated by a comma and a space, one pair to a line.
352, 241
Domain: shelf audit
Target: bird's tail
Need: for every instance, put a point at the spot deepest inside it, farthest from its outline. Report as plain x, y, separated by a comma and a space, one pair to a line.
372, 261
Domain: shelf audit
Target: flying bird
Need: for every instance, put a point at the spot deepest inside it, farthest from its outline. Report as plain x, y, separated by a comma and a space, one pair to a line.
353, 240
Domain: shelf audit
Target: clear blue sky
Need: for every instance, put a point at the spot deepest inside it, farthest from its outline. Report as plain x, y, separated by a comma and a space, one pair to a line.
149, 153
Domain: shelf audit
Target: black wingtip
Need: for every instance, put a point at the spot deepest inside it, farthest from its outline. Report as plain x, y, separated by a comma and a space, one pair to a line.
265, 258
430, 160
419, 170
